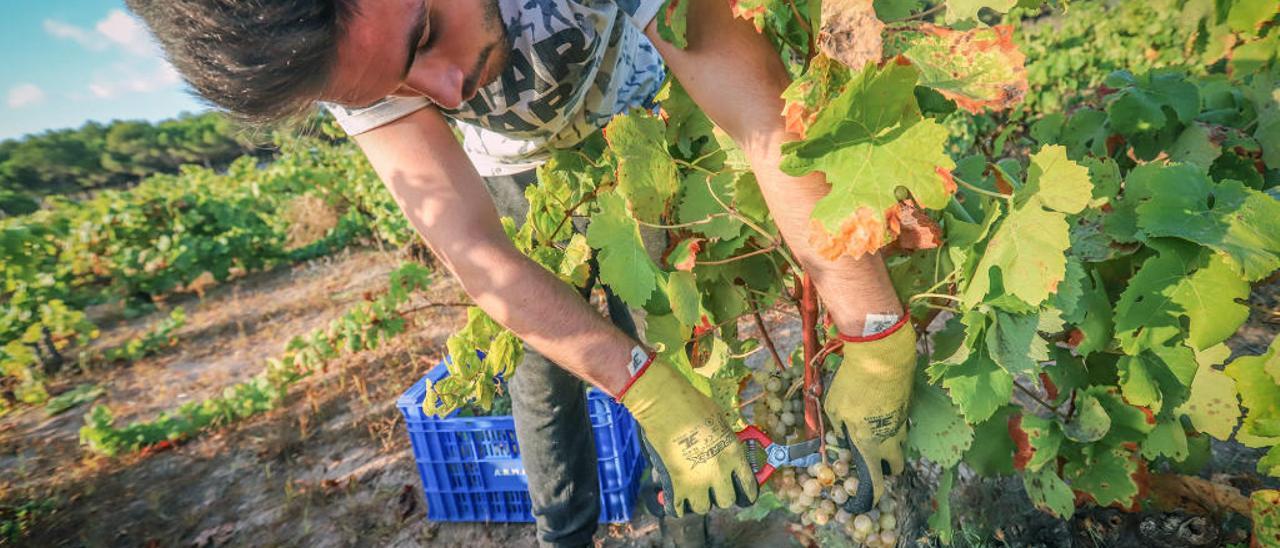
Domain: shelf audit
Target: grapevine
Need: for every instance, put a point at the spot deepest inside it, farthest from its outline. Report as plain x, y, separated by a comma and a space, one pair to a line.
1076, 275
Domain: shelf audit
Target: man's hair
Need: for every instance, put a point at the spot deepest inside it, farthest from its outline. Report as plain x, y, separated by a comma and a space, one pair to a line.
261, 60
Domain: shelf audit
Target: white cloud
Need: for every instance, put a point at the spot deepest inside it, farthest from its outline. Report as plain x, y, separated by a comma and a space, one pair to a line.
89, 39
25, 95
125, 79
127, 32
117, 28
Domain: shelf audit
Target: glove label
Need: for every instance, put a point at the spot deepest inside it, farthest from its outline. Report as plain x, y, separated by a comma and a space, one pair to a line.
705, 441
875, 324
886, 425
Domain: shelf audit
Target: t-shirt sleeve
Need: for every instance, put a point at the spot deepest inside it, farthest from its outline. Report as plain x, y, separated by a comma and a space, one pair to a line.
359, 120
640, 12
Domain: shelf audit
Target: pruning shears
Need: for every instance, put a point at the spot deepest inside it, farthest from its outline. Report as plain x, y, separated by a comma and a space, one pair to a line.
763, 454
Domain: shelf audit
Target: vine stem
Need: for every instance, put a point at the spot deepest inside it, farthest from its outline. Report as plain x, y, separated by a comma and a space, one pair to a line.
812, 378
709, 218
982, 191
935, 296
760, 251
764, 334
941, 6
569, 214
1040, 401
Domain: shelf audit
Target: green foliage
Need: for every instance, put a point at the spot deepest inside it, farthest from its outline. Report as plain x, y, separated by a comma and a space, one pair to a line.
65, 401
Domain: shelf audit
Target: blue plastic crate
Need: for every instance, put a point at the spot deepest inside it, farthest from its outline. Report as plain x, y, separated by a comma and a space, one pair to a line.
471, 468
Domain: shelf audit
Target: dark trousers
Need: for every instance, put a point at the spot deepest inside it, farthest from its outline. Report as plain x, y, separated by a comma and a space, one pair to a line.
550, 409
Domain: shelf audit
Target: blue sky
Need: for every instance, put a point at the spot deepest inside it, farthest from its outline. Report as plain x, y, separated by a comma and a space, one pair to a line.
69, 61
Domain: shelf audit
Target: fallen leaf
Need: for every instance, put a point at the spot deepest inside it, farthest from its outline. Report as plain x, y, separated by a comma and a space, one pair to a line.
851, 33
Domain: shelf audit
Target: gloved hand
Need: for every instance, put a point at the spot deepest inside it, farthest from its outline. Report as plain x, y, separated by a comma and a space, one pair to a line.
695, 449
867, 404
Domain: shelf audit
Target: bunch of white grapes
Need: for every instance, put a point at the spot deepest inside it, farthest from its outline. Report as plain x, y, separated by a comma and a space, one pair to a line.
818, 494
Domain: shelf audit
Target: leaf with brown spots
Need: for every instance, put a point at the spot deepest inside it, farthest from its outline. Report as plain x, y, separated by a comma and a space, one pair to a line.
979, 69
851, 32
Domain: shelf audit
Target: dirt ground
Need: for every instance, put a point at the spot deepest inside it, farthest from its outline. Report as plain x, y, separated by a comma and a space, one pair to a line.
333, 466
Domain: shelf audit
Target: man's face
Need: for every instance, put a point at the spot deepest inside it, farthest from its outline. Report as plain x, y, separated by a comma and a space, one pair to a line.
443, 50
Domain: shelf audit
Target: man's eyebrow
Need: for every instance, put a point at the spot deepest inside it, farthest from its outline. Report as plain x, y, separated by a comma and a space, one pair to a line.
415, 36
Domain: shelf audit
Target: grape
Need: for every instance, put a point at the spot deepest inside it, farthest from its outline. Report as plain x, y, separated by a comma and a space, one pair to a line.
788, 478
773, 385
851, 486
797, 406
806, 500
774, 403
812, 470
841, 469
873, 539
862, 523
821, 518
811, 487
843, 516
888, 522
827, 506
874, 514
794, 491
886, 505
806, 519
788, 418
825, 475
839, 496
832, 439
888, 538
846, 456
796, 507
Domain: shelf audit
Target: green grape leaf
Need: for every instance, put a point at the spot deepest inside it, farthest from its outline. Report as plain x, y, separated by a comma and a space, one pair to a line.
1128, 423
1259, 394
940, 520
1097, 326
991, 453
1138, 379
938, 431
673, 22
1014, 344
1090, 422
1247, 16
625, 265
1175, 201
1265, 505
809, 94
1106, 475
1195, 147
699, 205
1269, 464
1183, 280
979, 69
766, 503
1069, 300
1264, 93
684, 256
1029, 247
1254, 55
575, 266
851, 32
963, 10
1167, 439
1048, 492
869, 142
1139, 105
748, 198
682, 293
893, 10
978, 385
1044, 437
647, 175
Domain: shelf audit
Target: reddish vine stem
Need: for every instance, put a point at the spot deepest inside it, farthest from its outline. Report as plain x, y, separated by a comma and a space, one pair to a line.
812, 376
768, 340
1040, 401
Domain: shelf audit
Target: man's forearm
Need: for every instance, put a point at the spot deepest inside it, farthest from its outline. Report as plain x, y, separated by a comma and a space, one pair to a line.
543, 311
726, 53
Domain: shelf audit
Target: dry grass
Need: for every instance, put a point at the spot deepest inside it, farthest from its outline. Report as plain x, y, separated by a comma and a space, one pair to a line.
310, 218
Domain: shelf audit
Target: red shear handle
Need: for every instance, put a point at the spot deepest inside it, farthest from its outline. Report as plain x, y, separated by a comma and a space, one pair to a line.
751, 433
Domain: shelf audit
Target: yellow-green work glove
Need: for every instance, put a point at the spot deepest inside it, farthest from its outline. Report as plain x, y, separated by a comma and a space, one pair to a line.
696, 451
867, 404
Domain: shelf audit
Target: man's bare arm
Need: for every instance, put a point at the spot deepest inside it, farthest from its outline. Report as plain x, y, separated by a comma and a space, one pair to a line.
433, 181
735, 75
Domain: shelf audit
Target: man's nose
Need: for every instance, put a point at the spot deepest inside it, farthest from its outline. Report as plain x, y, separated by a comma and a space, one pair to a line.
441, 82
